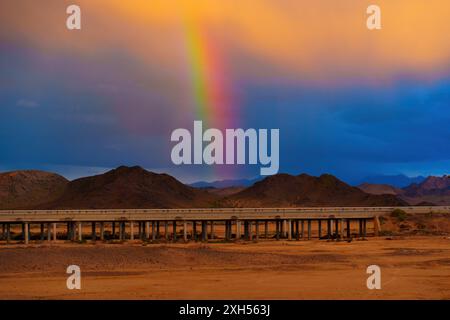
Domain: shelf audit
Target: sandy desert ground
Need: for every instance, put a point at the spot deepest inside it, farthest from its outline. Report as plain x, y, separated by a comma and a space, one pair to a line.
414, 267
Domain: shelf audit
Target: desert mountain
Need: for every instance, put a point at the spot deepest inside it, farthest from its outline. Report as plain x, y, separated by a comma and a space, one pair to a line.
29, 188
380, 189
432, 190
398, 181
131, 187
284, 190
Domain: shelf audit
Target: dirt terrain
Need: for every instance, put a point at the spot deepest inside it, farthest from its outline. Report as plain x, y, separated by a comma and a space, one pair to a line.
415, 267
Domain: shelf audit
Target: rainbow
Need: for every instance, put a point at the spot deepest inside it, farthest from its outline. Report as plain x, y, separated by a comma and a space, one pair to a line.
213, 103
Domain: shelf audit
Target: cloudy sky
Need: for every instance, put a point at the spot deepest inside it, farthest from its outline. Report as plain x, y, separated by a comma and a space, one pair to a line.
347, 101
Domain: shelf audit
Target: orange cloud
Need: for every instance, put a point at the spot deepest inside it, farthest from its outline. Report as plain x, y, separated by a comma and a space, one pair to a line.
313, 40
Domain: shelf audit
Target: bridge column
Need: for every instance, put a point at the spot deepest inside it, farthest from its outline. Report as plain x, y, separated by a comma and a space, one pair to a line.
283, 229
113, 231
131, 230
49, 232
204, 231
8, 233
238, 229
194, 230
328, 228
54, 231
166, 230
250, 230
26, 232
277, 228
309, 229
320, 228
174, 231
157, 230
360, 228
336, 227
257, 230
153, 231
377, 226
349, 234
185, 237
3, 231
212, 230
364, 228
297, 230
102, 231
266, 229
93, 233
147, 230
302, 229
246, 230
42, 232
289, 229
80, 232
121, 231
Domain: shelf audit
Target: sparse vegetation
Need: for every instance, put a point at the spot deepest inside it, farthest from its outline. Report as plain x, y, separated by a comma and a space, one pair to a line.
399, 214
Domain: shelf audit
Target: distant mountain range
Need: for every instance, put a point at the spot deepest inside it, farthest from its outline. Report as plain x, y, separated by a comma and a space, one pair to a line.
219, 184
135, 187
431, 191
398, 181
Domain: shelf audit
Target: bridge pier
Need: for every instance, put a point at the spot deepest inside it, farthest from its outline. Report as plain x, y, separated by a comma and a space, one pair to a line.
349, 233
257, 230
319, 228
204, 231
185, 236
131, 230
289, 229
174, 231
212, 231
8, 233
80, 232
266, 229
153, 231
26, 233
238, 229
102, 231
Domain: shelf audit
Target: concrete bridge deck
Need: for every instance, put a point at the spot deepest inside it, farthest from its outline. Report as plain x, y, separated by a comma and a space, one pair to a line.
277, 222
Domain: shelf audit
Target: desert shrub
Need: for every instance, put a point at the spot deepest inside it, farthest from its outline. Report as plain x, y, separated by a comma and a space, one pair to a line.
399, 214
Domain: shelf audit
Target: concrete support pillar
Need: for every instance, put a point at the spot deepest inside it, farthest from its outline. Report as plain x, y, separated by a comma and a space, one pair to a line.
246, 230
42, 232
320, 228
166, 230
289, 229
257, 230
277, 229
185, 237
113, 231
8, 233
238, 229
3, 231
336, 228
158, 235
309, 229
360, 228
194, 230
131, 230
80, 232
328, 228
364, 228
349, 234
26, 232
227, 232
49, 232
297, 230
204, 231
102, 231
153, 230
341, 227
376, 225
302, 229
250, 230
147, 230
284, 229
174, 231
266, 229
212, 230
121, 231
93, 232
54, 231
